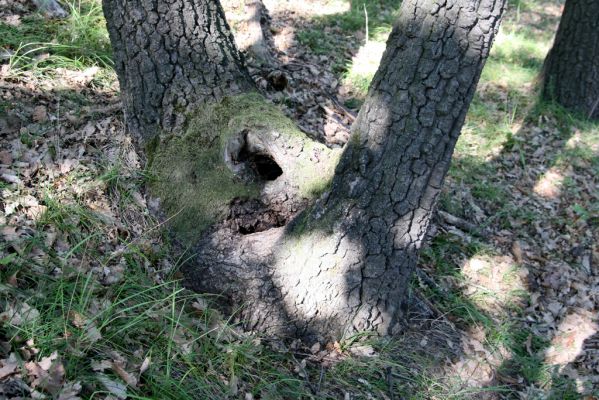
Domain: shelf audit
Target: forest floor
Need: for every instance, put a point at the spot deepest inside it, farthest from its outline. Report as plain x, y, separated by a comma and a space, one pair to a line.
91, 302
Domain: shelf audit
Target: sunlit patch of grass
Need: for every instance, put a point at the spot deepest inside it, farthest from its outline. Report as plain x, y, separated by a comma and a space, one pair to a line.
464, 301
393, 370
513, 77
381, 14
526, 362
86, 30
77, 42
485, 131
519, 48
321, 39
503, 100
582, 148
363, 67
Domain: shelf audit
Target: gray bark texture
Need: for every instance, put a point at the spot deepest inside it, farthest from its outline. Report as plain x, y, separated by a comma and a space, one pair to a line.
343, 265
571, 71
171, 56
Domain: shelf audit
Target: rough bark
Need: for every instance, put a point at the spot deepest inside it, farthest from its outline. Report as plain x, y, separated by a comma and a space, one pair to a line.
171, 56
343, 265
571, 71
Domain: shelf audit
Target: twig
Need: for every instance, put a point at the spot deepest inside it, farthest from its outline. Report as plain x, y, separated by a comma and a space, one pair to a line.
305, 375
106, 109
320, 379
346, 111
389, 372
430, 282
458, 232
458, 222
593, 108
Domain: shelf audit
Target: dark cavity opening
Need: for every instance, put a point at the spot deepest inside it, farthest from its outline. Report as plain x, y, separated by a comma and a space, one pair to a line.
265, 167
262, 164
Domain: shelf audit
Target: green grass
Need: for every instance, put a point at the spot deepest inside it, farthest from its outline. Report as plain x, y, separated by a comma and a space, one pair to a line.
503, 334
194, 351
381, 14
42, 45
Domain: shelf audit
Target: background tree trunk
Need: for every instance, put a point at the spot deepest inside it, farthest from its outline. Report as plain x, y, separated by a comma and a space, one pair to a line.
343, 265
171, 56
571, 71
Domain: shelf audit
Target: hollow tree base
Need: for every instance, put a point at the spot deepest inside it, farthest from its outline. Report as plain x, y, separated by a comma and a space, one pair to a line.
236, 157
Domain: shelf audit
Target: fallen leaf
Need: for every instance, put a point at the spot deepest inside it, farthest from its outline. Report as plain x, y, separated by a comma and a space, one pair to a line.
92, 333
40, 114
70, 391
517, 252
12, 280
36, 212
9, 366
116, 388
46, 362
145, 365
48, 374
76, 319
130, 379
100, 366
11, 178
19, 314
5, 157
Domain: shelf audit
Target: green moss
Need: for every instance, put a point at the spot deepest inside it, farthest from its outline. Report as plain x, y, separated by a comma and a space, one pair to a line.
194, 184
313, 180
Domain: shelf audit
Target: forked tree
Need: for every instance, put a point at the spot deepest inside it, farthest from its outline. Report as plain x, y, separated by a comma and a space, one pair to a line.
571, 70
298, 239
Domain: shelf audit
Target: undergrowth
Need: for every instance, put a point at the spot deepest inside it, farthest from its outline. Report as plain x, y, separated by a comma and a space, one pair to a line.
76, 42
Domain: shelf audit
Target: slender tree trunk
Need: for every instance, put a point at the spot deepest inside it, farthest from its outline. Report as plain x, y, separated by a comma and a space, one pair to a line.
571, 71
342, 265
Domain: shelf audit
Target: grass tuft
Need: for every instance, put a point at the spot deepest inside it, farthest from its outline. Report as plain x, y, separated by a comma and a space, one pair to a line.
77, 42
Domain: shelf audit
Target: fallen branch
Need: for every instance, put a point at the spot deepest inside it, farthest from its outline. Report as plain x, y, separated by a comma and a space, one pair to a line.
458, 222
350, 114
422, 275
104, 109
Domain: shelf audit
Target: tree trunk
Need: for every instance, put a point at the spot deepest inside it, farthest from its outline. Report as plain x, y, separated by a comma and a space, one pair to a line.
571, 71
171, 57
254, 40
234, 181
